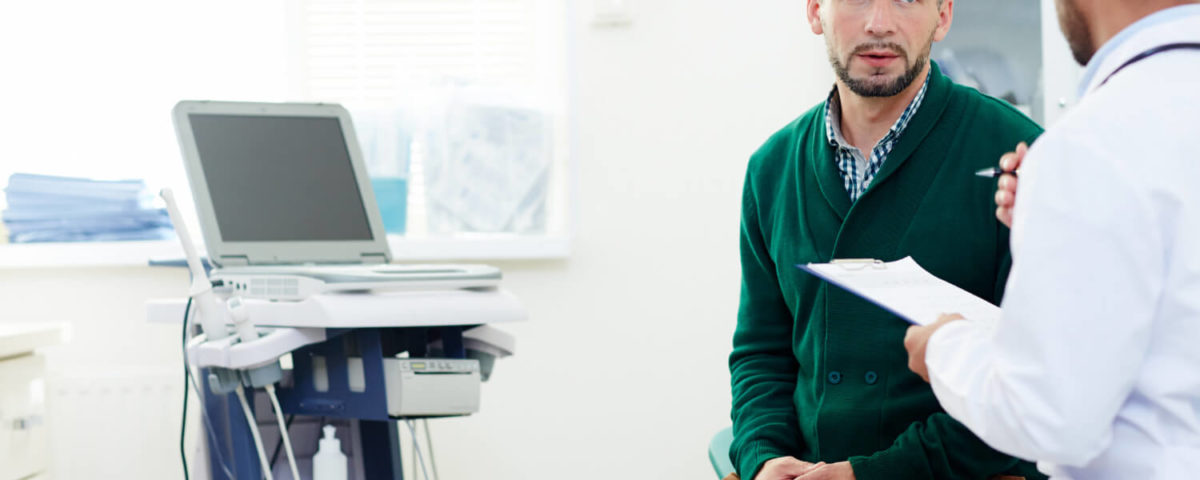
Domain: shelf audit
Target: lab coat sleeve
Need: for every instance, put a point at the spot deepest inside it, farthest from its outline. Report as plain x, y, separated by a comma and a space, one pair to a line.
762, 367
1045, 382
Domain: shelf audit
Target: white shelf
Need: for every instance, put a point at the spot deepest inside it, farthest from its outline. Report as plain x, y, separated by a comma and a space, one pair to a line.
19, 338
118, 254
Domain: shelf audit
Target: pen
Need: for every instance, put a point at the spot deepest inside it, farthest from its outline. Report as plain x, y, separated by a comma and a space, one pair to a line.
993, 172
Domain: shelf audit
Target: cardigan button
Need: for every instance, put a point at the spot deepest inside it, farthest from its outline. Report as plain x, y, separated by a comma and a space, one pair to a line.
871, 377
835, 377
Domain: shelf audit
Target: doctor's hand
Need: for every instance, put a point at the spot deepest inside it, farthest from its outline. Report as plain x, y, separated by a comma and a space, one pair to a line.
1006, 190
785, 468
917, 338
830, 471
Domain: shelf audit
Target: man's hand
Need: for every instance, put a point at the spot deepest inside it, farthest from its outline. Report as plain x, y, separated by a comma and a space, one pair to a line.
917, 338
831, 471
785, 468
1006, 191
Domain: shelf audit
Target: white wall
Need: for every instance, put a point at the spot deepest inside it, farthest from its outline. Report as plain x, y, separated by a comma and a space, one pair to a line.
621, 370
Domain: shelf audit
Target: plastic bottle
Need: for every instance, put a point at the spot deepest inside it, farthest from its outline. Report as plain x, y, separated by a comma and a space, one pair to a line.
329, 463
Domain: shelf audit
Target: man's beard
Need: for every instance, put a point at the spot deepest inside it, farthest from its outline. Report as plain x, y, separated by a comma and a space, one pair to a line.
1079, 35
868, 88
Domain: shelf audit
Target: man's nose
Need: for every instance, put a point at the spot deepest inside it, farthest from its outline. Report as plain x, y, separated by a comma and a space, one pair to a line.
881, 20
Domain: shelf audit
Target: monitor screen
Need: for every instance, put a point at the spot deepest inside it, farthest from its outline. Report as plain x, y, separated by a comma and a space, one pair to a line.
277, 178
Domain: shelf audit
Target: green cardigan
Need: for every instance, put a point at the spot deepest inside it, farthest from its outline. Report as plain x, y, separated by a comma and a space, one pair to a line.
822, 375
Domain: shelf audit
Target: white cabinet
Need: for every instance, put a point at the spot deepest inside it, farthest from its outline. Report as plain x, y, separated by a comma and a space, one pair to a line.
24, 444
23, 440
1011, 49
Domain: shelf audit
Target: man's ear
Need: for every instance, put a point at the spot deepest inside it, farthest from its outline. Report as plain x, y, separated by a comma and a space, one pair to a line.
814, 16
945, 18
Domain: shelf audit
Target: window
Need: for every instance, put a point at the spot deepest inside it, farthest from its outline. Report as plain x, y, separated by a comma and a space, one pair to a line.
459, 104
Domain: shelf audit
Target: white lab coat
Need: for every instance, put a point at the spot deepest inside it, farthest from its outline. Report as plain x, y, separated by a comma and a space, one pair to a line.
1093, 369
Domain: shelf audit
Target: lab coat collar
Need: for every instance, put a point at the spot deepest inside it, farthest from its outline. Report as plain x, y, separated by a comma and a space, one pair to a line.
1162, 27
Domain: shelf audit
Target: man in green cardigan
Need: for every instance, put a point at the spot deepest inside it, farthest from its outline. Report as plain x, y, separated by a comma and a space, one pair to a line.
883, 169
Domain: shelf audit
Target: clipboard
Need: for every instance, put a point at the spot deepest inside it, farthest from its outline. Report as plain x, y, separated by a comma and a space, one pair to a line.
903, 288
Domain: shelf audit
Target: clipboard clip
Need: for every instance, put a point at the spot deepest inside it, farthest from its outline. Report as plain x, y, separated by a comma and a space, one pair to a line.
859, 263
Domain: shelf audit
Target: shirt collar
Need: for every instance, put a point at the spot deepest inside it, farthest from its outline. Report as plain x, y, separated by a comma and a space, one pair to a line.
1106, 60
833, 114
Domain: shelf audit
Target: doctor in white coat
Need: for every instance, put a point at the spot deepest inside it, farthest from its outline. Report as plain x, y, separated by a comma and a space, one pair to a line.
1093, 369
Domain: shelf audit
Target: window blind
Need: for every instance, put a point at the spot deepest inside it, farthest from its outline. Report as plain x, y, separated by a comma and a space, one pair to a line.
365, 51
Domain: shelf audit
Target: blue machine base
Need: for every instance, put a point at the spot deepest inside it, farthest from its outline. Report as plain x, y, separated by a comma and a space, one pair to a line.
380, 440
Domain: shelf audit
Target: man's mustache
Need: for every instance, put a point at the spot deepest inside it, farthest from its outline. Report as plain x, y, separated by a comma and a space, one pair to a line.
892, 47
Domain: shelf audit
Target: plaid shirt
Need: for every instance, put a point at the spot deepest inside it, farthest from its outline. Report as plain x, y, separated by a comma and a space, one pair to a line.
856, 171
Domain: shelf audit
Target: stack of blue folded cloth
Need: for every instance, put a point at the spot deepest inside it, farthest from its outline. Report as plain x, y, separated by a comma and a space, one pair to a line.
44, 208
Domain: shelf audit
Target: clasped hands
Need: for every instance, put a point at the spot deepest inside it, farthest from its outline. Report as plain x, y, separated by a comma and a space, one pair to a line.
790, 468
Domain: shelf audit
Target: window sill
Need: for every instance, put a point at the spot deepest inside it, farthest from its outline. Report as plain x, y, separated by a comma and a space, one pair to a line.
405, 250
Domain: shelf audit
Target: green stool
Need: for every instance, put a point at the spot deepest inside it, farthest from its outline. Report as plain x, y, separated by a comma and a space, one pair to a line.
718, 452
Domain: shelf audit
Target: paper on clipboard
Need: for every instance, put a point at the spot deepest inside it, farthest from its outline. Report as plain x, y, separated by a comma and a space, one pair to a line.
903, 288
